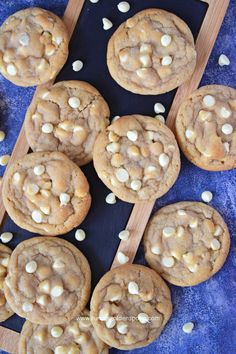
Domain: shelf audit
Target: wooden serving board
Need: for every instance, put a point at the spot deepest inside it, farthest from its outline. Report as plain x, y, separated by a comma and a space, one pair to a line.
141, 211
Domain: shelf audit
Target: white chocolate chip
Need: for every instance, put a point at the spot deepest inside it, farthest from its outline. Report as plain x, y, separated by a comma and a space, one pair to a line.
189, 134
159, 108
123, 6
122, 258
180, 231
60, 349
164, 160
94, 1
37, 216
32, 189
16, 177
45, 209
193, 223
80, 235
136, 185
110, 198
122, 328
160, 118
124, 235
168, 231
150, 134
146, 48
6, 237
2, 135
57, 291
218, 231
107, 24
215, 244
103, 315
209, 101
132, 135
47, 128
45, 94
166, 60
156, 250
181, 212
168, 261
133, 288
56, 331
24, 39
58, 40
58, 264
74, 102
223, 60
4, 159
77, 65
225, 113
39, 170
145, 60
193, 268
166, 40
11, 69
122, 175
44, 286
188, 327
115, 118
31, 267
143, 318
64, 198
206, 196
110, 322
227, 129
27, 307
204, 115
42, 300
113, 147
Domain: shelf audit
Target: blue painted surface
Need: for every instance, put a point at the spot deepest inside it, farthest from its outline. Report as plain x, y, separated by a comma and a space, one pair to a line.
211, 305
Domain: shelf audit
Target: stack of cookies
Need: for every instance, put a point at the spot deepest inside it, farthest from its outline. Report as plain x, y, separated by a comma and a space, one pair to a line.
47, 280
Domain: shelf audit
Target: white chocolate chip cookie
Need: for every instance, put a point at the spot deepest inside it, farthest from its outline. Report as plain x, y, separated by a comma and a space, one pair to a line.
67, 117
77, 336
5, 310
130, 307
46, 193
137, 158
48, 280
186, 243
33, 46
206, 127
151, 53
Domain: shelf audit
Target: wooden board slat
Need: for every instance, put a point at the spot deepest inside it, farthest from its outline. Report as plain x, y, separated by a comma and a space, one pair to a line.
141, 211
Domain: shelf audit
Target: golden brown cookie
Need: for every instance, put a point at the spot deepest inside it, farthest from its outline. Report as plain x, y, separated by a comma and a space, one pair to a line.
67, 117
186, 242
130, 307
48, 280
206, 127
137, 157
151, 53
75, 337
33, 46
46, 193
5, 310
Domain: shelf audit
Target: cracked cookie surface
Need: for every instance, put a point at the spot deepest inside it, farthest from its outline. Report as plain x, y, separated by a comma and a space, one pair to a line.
33, 46
48, 280
5, 310
137, 157
67, 117
130, 307
76, 337
151, 53
46, 193
206, 127
186, 242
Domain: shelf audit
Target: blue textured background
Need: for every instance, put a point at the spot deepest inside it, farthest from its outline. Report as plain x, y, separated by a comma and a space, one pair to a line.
211, 305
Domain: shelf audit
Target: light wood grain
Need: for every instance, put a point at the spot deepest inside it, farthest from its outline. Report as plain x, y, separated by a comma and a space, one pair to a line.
9, 340
21, 147
204, 44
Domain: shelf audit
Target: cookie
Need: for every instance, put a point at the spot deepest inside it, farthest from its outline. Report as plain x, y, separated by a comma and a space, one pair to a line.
5, 310
186, 243
137, 157
206, 128
76, 337
46, 193
48, 280
151, 53
67, 117
130, 307
33, 46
